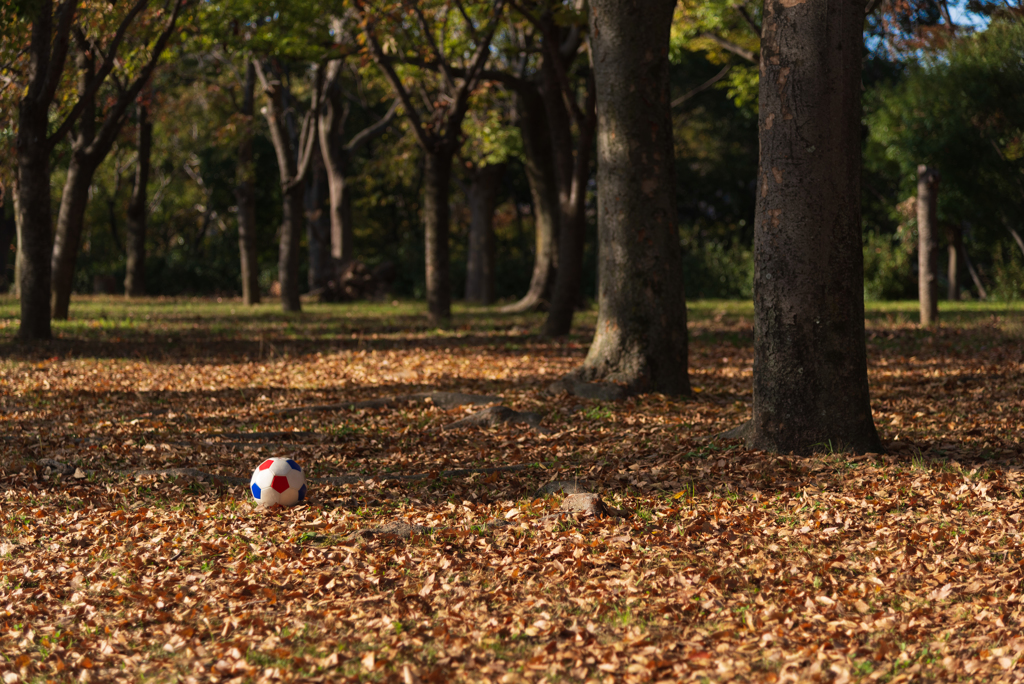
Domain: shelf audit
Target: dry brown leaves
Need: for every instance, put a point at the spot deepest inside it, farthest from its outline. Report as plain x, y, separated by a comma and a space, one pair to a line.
733, 565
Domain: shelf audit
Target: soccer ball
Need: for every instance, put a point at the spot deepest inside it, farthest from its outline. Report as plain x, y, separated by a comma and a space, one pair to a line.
278, 481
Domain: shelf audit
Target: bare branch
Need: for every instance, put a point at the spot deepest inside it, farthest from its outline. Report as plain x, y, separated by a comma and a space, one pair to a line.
518, 7
749, 19
732, 47
392, 77
702, 87
372, 131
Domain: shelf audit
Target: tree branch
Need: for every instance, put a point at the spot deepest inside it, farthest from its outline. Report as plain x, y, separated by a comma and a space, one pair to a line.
730, 46
115, 117
102, 72
429, 37
55, 65
392, 77
372, 131
749, 19
702, 87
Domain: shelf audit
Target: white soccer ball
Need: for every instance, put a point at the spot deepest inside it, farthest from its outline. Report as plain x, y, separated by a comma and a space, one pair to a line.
278, 481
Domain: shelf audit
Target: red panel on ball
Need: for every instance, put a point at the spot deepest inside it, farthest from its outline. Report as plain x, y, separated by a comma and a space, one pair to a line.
280, 484
266, 464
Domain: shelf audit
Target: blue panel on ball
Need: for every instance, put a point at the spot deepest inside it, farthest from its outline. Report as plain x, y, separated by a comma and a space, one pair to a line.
294, 465
302, 493
256, 491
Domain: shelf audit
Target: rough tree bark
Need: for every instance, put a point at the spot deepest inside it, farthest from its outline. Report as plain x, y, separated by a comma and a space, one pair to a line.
48, 52
810, 361
245, 193
437, 177
135, 230
540, 174
293, 162
641, 338
927, 244
482, 196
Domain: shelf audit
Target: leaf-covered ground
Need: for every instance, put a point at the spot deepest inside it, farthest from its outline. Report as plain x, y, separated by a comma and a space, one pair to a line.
732, 565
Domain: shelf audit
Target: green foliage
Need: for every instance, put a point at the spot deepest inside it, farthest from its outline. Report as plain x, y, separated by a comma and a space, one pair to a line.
888, 267
1007, 273
717, 269
961, 113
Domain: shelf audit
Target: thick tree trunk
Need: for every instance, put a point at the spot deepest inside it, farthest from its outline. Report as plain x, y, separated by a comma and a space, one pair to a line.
318, 225
135, 231
810, 361
245, 196
956, 245
436, 218
35, 241
483, 199
641, 337
927, 245
540, 174
47, 55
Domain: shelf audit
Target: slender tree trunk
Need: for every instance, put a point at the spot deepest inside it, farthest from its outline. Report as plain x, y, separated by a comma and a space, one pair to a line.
956, 246
135, 232
333, 116
540, 174
294, 153
483, 196
288, 255
927, 245
572, 172
8, 227
75, 198
318, 224
68, 238
571, 241
16, 284
436, 219
982, 294
245, 195
641, 337
810, 360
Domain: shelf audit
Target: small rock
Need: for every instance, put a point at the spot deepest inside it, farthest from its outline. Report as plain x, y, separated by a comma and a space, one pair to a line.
589, 504
499, 415
600, 391
79, 474
563, 487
